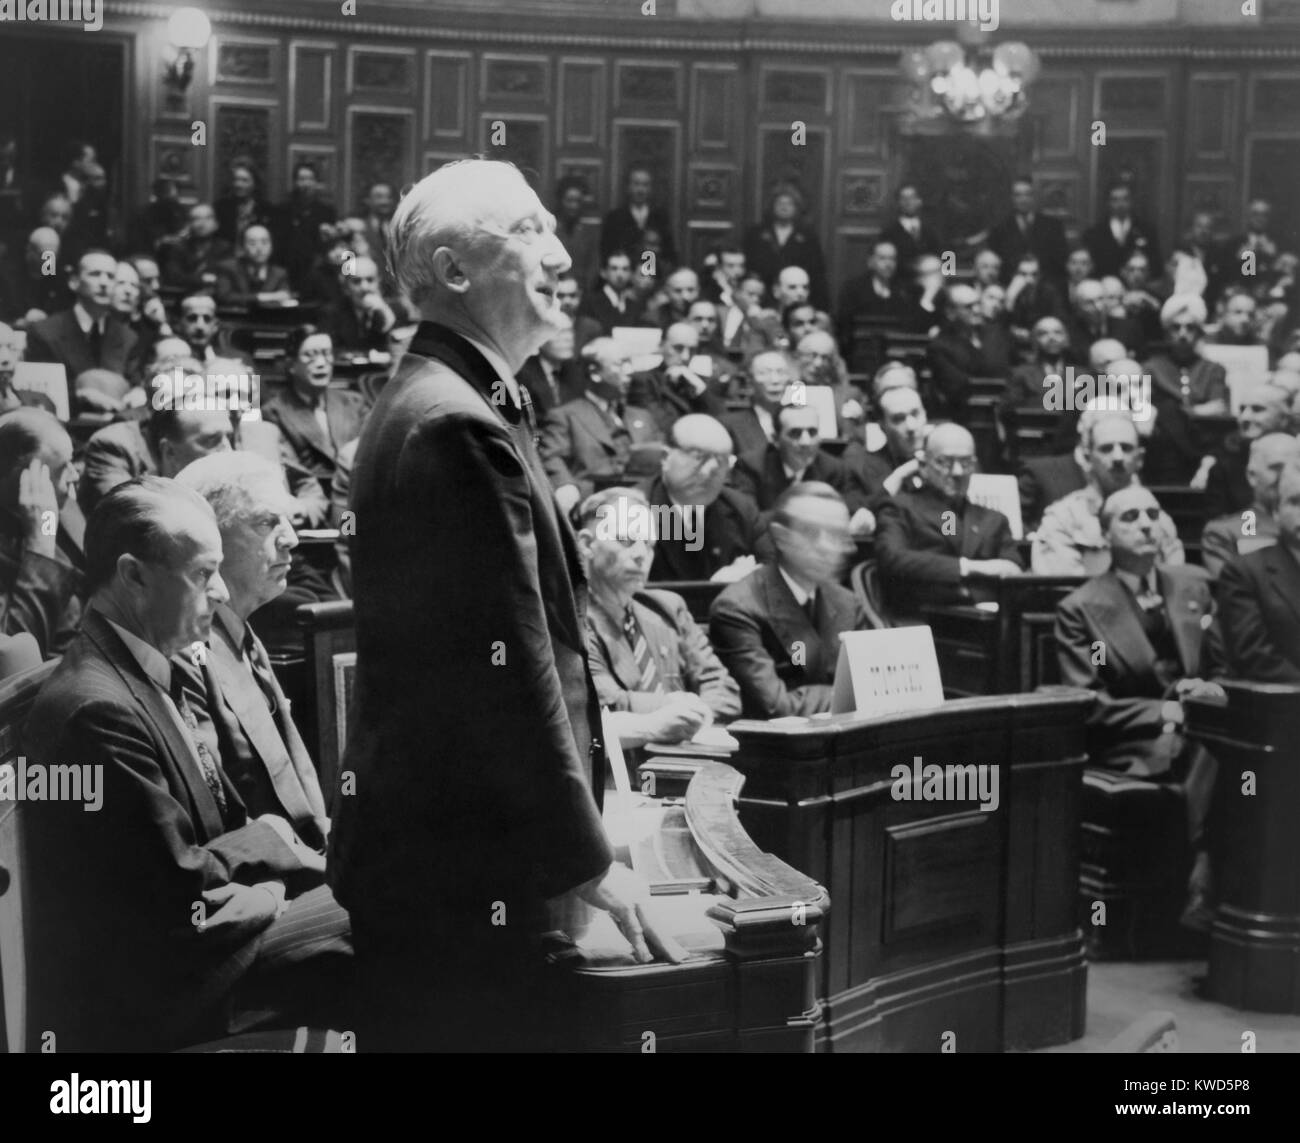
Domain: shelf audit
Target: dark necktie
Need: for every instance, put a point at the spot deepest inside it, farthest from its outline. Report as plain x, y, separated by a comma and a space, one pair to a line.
645, 660
190, 697
526, 407
255, 653
97, 344
810, 609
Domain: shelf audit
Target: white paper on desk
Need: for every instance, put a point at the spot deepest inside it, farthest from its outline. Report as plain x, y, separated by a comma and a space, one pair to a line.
1000, 493
47, 378
641, 344
886, 672
1245, 365
715, 737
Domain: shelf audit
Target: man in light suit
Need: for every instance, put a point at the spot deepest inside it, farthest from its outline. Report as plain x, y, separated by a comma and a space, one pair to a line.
777, 631
261, 749
173, 915
477, 803
1259, 597
595, 435
651, 663
1235, 534
88, 336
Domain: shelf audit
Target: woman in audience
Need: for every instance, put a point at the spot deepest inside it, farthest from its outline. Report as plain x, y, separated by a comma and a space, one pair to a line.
243, 205
783, 239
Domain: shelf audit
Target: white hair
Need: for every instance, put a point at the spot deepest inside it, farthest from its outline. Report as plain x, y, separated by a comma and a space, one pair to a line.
447, 208
237, 484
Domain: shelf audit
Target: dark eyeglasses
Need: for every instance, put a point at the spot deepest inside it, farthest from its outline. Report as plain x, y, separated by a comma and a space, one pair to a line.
1132, 515
1192, 326
795, 433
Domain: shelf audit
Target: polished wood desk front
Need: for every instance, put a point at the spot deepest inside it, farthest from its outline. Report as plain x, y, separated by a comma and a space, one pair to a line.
948, 919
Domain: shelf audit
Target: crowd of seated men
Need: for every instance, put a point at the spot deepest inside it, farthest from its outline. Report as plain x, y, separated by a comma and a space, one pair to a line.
763, 445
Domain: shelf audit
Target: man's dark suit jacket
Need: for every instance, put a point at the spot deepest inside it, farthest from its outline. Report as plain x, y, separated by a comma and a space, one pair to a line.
920, 561
475, 726
1108, 256
1259, 611
666, 400
297, 239
348, 331
1045, 239
185, 261
1174, 450
929, 241
261, 751
237, 286
38, 594
619, 231
1126, 726
579, 442
859, 300
954, 360
115, 454
596, 305
59, 339
569, 384
765, 257
304, 444
732, 528
121, 883
756, 627
1026, 389
1227, 489
226, 208
761, 476
1124, 330
746, 433
20, 292
1043, 481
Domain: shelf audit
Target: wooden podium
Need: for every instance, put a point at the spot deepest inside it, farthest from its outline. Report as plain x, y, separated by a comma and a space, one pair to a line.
1254, 843
948, 919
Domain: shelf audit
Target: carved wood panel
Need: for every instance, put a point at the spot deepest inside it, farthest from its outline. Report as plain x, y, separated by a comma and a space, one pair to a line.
380, 145
311, 87
446, 84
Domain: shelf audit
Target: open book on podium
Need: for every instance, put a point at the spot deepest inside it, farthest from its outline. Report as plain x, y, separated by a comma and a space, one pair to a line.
887, 671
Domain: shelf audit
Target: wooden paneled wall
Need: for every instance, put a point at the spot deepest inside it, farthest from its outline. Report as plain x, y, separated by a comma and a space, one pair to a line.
1200, 119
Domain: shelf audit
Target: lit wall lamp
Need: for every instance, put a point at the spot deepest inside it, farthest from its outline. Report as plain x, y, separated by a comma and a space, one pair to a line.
188, 31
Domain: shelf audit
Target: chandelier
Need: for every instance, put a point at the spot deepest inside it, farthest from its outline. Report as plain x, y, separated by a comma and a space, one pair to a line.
955, 81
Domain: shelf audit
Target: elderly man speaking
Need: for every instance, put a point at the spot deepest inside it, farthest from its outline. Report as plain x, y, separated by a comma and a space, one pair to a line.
466, 789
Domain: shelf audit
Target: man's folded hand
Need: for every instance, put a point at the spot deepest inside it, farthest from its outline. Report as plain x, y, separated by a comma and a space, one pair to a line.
626, 898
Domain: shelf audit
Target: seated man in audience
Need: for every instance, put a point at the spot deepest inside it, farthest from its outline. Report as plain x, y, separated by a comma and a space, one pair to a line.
746, 326
1184, 386
727, 272
1259, 612
191, 261
680, 290
1261, 409
87, 336
933, 544
820, 363
876, 297
1139, 301
1237, 320
1070, 539
362, 320
1030, 298
252, 279
613, 303
928, 293
203, 332
999, 345
11, 398
704, 316
315, 420
1236, 533
651, 663
956, 354
1028, 386
1134, 636
569, 293
771, 373
144, 315
262, 752
38, 578
553, 375
595, 434
721, 533
777, 631
797, 456
33, 287
896, 466
1088, 321
218, 921
672, 389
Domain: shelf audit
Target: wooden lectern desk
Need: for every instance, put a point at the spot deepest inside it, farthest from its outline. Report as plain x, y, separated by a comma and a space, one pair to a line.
954, 928
1254, 843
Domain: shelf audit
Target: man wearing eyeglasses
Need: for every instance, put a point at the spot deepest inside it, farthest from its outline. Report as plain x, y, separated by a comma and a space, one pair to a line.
1184, 386
956, 354
679, 384
933, 544
1134, 635
723, 534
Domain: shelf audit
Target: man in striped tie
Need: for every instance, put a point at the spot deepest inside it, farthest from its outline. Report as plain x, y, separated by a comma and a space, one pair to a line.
651, 663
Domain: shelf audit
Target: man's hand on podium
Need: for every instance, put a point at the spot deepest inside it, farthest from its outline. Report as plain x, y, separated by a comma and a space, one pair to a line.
626, 897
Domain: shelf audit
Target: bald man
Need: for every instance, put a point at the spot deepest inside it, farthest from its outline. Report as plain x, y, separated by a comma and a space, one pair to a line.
1261, 409
34, 286
956, 355
1238, 532
933, 544
362, 319
252, 279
